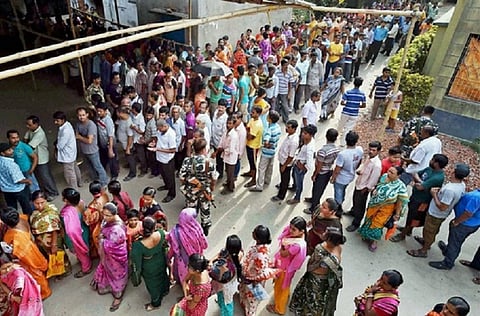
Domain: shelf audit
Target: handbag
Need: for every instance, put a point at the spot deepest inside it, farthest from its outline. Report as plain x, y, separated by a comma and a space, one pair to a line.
56, 264
258, 291
177, 311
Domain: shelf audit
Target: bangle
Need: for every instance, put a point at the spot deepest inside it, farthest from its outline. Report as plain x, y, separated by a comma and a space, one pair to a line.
370, 295
9, 297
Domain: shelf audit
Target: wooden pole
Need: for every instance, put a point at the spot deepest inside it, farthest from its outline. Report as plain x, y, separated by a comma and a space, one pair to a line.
100, 18
82, 40
79, 58
22, 39
116, 11
388, 111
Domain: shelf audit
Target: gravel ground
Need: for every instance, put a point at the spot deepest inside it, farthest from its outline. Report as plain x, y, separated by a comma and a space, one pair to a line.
453, 148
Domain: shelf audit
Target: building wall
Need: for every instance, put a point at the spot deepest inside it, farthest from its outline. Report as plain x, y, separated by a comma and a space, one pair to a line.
454, 112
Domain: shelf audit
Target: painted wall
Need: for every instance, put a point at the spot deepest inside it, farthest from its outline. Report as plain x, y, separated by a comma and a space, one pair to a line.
454, 112
127, 11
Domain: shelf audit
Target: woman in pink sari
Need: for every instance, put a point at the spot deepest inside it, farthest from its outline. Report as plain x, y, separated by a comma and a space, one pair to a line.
111, 275
23, 291
185, 238
289, 258
381, 298
76, 231
265, 46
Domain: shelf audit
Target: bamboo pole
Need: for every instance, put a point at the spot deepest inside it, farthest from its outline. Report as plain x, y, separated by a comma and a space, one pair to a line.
22, 39
82, 40
99, 47
388, 111
100, 18
79, 58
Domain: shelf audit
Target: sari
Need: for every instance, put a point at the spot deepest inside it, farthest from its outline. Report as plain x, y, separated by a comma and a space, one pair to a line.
124, 203
256, 268
76, 235
316, 295
185, 239
46, 224
319, 227
93, 218
28, 254
182, 308
111, 275
21, 283
331, 95
239, 59
385, 303
382, 206
150, 263
266, 48
297, 248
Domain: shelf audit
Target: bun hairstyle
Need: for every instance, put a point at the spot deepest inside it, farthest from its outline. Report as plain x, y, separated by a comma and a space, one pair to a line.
10, 217
149, 226
36, 195
334, 207
150, 191
198, 262
301, 224
262, 235
114, 187
71, 195
95, 187
395, 278
234, 247
335, 236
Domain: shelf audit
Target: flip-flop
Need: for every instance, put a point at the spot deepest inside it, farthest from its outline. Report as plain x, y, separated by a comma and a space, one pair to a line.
114, 307
476, 280
417, 253
397, 238
372, 247
149, 307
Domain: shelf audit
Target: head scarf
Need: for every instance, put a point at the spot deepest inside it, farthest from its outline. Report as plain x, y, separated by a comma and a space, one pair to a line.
189, 232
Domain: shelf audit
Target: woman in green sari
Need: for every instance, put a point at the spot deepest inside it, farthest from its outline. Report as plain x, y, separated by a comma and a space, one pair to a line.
149, 261
387, 202
317, 291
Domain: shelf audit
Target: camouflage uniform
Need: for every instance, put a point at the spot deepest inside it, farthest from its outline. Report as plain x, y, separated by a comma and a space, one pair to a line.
195, 185
91, 90
410, 135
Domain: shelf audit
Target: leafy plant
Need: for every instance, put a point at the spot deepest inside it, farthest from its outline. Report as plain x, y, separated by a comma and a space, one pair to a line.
415, 86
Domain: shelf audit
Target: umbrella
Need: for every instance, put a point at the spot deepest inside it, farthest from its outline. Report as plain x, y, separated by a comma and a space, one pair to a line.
212, 68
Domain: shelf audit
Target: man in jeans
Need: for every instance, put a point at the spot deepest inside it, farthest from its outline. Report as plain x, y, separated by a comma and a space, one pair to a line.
465, 223
324, 160
303, 162
86, 134
347, 163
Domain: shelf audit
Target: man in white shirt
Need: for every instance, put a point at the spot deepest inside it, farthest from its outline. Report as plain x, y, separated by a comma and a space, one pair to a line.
66, 149
165, 150
178, 126
422, 154
219, 126
390, 40
138, 127
302, 67
286, 154
272, 86
228, 148
180, 77
366, 181
242, 140
131, 76
304, 162
309, 112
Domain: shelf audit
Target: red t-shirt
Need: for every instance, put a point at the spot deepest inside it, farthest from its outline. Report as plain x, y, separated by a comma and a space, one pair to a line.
386, 164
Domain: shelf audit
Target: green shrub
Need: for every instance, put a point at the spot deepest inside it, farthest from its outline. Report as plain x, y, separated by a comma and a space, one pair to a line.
415, 86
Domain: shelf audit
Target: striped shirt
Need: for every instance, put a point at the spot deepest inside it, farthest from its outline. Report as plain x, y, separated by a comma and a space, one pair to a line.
353, 100
382, 87
284, 79
327, 155
272, 136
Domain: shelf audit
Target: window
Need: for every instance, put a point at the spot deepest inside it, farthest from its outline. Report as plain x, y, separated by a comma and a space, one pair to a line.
465, 83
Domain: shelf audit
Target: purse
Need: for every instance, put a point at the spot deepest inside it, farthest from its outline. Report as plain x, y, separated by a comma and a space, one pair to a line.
258, 291
56, 264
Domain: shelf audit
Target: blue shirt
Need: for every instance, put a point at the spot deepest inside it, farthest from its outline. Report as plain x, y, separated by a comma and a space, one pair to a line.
380, 33
353, 99
382, 87
243, 84
21, 155
272, 136
10, 175
469, 202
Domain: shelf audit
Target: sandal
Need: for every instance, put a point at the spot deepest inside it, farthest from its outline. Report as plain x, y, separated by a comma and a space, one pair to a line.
466, 263
476, 280
419, 239
372, 247
149, 307
397, 238
81, 274
114, 306
417, 253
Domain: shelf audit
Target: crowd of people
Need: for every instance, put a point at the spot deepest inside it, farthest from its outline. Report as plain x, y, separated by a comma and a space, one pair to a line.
158, 113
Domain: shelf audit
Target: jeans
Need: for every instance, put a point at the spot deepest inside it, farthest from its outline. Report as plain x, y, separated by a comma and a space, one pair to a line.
373, 50
238, 166
298, 176
45, 178
282, 106
95, 163
72, 174
111, 163
319, 185
265, 170
339, 192
22, 197
219, 164
356, 66
456, 237
359, 205
284, 181
34, 186
389, 45
252, 158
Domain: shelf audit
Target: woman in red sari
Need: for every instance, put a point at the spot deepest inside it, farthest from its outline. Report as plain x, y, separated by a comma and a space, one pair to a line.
239, 59
93, 215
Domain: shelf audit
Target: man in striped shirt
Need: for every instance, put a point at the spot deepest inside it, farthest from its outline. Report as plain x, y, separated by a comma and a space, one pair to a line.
352, 101
271, 137
285, 81
382, 86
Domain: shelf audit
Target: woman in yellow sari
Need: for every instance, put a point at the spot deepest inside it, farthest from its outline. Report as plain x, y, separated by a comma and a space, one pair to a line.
47, 229
386, 203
